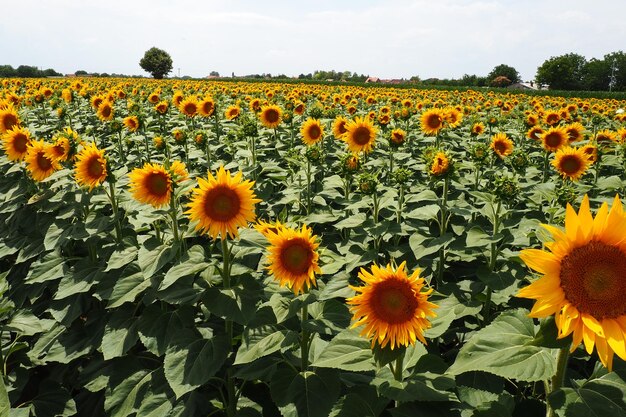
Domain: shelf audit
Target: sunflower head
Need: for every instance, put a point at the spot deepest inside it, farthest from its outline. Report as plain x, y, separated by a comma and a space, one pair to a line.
571, 163
15, 143
131, 123
90, 169
439, 164
105, 111
312, 131
360, 135
232, 112
293, 258
39, 164
398, 137
189, 106
392, 306
554, 138
151, 184
432, 121
339, 127
222, 204
477, 129
268, 228
501, 145
8, 119
271, 116
581, 280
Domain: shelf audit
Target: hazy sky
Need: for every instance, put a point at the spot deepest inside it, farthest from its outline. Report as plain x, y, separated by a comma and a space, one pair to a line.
387, 39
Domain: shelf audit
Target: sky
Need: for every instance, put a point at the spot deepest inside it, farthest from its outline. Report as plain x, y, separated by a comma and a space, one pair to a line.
386, 39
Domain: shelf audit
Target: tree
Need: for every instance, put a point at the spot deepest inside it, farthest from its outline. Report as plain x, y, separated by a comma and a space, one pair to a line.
27, 71
214, 74
7, 71
597, 75
617, 64
563, 72
503, 70
157, 62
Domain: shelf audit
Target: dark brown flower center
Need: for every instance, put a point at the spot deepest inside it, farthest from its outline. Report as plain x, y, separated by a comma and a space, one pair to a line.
20, 143
158, 184
570, 164
222, 204
271, 115
315, 132
43, 162
296, 256
361, 135
593, 278
95, 168
393, 301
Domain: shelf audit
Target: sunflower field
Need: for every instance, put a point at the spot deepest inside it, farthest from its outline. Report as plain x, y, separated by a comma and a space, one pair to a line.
229, 248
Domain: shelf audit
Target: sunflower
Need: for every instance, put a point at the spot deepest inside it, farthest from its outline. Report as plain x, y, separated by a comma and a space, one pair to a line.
360, 135
477, 129
312, 131
222, 204
398, 137
392, 306
189, 106
154, 97
38, 163
575, 131
232, 112
440, 164
90, 169
206, 107
501, 145
271, 116
131, 123
591, 151
151, 184
582, 280
267, 228
551, 118
8, 119
15, 143
554, 138
293, 258
255, 105
453, 117
299, 108
621, 135
535, 133
606, 136
432, 121
178, 171
60, 151
339, 126
162, 107
571, 163
105, 111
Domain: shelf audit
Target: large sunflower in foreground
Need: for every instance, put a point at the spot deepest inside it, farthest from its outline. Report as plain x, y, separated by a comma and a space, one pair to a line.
431, 121
392, 306
360, 135
8, 119
151, 184
15, 143
312, 131
222, 204
38, 163
571, 163
271, 116
554, 138
582, 280
90, 169
293, 258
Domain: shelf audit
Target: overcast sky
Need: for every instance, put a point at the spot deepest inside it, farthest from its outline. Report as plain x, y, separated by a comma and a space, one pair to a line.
387, 39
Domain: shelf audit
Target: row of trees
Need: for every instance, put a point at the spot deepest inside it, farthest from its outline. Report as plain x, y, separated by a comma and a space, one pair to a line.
574, 72
26, 71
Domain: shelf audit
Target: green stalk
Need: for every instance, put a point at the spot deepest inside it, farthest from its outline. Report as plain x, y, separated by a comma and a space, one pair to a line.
304, 341
390, 162
397, 369
558, 378
545, 166
443, 226
308, 186
231, 406
116, 218
400, 204
174, 215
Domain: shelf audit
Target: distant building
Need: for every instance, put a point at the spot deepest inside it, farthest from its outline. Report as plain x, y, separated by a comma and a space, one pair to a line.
384, 81
372, 80
523, 86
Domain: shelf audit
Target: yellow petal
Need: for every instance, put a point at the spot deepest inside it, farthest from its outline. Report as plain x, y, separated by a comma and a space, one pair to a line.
593, 325
615, 337
540, 261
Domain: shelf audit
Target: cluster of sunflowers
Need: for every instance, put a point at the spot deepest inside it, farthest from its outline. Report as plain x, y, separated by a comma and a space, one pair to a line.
138, 133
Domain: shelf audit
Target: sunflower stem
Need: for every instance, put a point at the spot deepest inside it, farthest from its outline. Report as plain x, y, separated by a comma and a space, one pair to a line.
390, 163
398, 368
545, 166
304, 341
558, 378
308, 186
174, 215
443, 226
116, 218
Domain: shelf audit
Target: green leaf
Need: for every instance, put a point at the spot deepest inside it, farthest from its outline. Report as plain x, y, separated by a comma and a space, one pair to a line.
191, 360
132, 283
53, 401
5, 405
120, 332
121, 402
82, 277
153, 256
598, 397
424, 246
192, 262
305, 394
477, 238
425, 386
121, 258
25, 323
504, 348
238, 304
360, 402
157, 328
259, 342
49, 268
328, 317
347, 351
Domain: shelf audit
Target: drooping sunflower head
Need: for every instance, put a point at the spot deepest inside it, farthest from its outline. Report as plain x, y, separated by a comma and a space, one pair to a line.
339, 126
571, 163
591, 151
271, 116
232, 112
162, 107
582, 279
606, 136
535, 133
255, 105
222, 204
90, 169
360, 135
398, 137
178, 171
8, 118
293, 258
392, 306
552, 118
439, 164
477, 129
131, 123
15, 143
554, 138
432, 121
151, 184
501, 145
60, 150
39, 165
453, 117
311, 131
